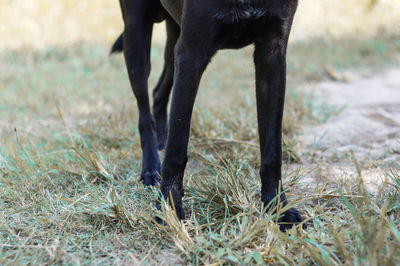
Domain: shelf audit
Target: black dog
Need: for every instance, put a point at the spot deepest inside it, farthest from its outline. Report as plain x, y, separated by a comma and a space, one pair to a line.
198, 29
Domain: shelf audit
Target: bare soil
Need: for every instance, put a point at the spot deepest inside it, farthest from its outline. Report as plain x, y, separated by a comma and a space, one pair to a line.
364, 138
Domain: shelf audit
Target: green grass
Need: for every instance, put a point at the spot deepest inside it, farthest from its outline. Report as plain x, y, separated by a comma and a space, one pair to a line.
70, 161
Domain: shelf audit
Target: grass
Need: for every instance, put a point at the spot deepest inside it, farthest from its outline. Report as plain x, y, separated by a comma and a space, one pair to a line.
323, 58
81, 208
70, 161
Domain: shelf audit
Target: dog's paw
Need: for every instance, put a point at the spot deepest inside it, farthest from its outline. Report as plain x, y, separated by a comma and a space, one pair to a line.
289, 219
150, 178
180, 213
177, 205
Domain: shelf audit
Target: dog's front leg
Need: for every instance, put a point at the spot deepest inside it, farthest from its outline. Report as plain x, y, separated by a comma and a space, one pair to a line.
270, 61
192, 57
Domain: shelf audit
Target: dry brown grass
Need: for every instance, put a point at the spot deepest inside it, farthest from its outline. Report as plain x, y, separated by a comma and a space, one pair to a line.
41, 23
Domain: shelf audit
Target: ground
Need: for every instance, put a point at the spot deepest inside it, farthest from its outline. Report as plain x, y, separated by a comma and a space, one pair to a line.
366, 126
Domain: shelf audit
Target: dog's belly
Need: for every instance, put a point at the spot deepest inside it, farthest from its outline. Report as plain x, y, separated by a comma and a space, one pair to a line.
174, 8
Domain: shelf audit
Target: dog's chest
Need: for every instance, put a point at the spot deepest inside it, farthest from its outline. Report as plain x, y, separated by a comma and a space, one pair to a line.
238, 35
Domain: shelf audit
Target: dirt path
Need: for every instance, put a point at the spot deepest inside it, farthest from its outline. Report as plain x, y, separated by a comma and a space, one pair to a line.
368, 126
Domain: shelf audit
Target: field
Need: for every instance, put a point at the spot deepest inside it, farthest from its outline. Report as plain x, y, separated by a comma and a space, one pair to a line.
70, 155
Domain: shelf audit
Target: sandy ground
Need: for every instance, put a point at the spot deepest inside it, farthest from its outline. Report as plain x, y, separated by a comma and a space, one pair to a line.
368, 126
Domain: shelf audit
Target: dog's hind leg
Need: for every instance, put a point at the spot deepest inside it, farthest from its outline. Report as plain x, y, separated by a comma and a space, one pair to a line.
163, 89
270, 61
139, 18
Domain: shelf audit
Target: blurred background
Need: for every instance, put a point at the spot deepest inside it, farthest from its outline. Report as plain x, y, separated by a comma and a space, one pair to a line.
41, 23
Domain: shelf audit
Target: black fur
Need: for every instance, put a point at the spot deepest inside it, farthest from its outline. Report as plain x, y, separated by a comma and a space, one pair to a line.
235, 11
117, 47
196, 30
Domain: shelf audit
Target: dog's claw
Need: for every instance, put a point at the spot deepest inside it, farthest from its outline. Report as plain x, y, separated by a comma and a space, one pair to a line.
289, 219
150, 178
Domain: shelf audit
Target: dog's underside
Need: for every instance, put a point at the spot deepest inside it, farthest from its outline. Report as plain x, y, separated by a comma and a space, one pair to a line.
196, 30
